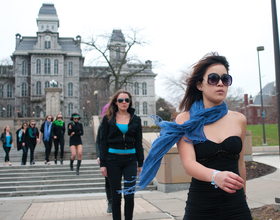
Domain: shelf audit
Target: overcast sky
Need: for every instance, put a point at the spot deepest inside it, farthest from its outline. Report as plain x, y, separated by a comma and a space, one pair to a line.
179, 32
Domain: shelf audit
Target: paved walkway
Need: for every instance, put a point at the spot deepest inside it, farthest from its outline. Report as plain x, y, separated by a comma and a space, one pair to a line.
152, 205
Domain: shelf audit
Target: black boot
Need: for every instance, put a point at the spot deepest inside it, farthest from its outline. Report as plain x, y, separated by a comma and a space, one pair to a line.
78, 167
71, 164
109, 199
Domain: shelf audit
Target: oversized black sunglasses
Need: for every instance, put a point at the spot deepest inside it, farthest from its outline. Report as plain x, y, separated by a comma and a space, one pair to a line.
214, 78
120, 100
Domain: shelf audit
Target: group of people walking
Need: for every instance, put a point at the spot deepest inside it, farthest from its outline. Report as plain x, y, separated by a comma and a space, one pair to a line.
51, 132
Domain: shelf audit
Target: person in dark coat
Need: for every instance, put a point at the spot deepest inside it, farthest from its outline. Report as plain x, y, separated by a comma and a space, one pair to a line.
7, 140
30, 139
45, 134
75, 131
58, 130
20, 133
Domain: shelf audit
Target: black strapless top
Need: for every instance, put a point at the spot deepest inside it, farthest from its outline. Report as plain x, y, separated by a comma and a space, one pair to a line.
205, 202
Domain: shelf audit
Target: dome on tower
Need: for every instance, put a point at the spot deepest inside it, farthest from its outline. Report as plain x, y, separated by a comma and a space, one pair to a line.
47, 9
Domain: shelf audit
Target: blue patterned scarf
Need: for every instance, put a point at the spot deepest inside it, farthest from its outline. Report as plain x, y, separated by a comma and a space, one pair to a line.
171, 134
47, 130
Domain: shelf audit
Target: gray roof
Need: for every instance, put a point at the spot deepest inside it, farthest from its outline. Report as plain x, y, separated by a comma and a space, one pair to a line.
47, 9
267, 91
27, 43
68, 44
117, 35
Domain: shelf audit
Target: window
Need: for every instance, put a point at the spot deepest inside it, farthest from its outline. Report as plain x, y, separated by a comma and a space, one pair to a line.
37, 111
70, 109
55, 71
145, 111
9, 91
145, 123
23, 110
1, 90
118, 53
47, 84
144, 88
259, 112
137, 108
38, 66
24, 68
70, 89
23, 89
47, 44
9, 111
38, 88
1, 111
70, 69
47, 66
136, 88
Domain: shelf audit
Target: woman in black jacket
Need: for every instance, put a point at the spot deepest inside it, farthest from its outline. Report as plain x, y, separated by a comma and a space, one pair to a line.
121, 150
45, 134
30, 139
20, 133
7, 140
58, 130
75, 131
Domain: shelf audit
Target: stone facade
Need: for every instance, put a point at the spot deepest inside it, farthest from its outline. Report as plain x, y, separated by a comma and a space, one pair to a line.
40, 59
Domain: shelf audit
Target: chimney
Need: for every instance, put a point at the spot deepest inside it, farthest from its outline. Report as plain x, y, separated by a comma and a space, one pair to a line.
245, 99
18, 38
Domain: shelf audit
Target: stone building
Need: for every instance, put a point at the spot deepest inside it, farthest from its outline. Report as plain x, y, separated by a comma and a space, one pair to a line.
47, 57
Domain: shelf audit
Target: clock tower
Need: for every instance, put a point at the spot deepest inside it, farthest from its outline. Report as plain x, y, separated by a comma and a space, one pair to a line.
47, 19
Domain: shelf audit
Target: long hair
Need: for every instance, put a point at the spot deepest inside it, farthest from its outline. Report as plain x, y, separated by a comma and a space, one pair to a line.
47, 117
192, 93
113, 107
5, 128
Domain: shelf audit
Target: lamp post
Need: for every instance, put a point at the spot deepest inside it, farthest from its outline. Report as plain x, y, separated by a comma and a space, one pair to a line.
95, 96
261, 48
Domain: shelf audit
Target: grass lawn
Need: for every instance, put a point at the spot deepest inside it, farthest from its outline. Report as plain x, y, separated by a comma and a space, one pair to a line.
271, 133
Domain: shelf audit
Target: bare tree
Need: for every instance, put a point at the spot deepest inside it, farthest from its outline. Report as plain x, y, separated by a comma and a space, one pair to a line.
234, 97
115, 50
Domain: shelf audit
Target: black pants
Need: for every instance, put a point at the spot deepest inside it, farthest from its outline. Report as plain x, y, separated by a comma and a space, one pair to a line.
118, 166
48, 147
58, 141
31, 146
7, 151
24, 154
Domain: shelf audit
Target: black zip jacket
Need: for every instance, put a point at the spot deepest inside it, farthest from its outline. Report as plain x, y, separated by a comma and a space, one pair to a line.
58, 131
112, 137
4, 140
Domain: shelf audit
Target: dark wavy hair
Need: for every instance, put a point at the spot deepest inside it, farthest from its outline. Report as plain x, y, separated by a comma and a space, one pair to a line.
199, 69
113, 107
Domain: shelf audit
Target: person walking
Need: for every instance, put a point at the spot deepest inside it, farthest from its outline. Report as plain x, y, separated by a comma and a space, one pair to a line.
75, 131
97, 145
58, 130
45, 134
121, 150
210, 141
30, 139
7, 140
20, 133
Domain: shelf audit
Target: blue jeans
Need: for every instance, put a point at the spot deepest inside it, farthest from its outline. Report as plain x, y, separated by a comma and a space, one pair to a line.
118, 166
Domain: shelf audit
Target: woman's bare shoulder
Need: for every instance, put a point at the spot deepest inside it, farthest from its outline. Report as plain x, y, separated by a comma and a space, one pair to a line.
182, 117
237, 116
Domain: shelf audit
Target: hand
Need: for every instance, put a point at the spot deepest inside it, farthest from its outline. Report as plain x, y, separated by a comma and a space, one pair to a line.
229, 181
23, 144
70, 127
39, 140
54, 137
72, 134
98, 160
139, 170
104, 171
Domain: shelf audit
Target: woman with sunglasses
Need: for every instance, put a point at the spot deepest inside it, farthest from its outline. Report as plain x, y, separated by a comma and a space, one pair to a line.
7, 140
75, 131
45, 133
121, 150
20, 133
210, 143
30, 139
58, 130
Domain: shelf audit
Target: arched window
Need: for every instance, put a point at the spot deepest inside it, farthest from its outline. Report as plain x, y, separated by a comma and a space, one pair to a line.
70, 68
47, 44
23, 110
47, 66
70, 109
55, 71
38, 88
24, 89
144, 88
137, 108
70, 89
118, 52
38, 66
1, 90
145, 110
37, 111
9, 91
136, 88
24, 68
47, 84
1, 111
9, 111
